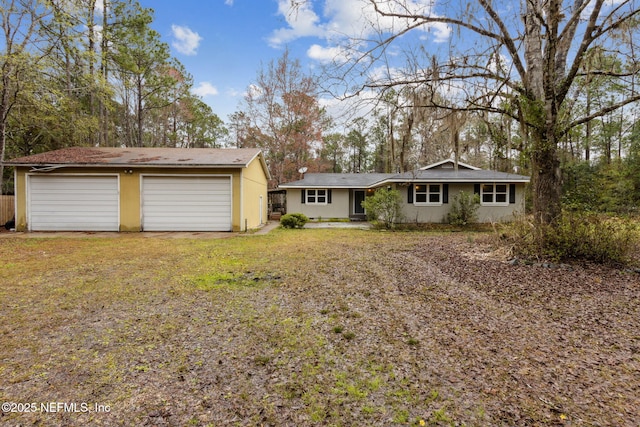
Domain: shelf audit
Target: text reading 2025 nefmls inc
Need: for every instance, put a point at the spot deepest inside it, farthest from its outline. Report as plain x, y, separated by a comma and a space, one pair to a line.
53, 407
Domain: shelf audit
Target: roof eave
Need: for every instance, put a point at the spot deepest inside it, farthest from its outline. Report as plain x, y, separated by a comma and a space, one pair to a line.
402, 181
288, 187
128, 165
454, 180
442, 162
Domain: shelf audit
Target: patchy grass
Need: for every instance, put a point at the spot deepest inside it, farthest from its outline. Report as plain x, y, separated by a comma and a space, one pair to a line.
313, 327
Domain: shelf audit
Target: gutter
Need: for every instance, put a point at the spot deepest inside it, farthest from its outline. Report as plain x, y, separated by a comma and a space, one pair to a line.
39, 167
46, 168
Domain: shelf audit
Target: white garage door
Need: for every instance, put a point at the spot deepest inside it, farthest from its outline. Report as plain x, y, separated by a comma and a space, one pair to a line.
172, 203
73, 203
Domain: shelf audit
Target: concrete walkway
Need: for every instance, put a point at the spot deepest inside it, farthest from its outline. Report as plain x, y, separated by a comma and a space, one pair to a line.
339, 224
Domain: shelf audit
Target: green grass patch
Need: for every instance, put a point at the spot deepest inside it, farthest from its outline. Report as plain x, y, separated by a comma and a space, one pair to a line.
306, 327
214, 280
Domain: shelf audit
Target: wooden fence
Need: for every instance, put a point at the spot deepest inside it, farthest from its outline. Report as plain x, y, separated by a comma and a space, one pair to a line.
7, 209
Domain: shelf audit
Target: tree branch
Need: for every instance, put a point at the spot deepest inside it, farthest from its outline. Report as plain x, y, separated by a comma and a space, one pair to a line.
507, 40
423, 19
587, 39
600, 113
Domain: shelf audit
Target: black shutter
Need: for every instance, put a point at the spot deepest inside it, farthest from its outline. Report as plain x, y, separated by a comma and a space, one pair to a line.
512, 193
329, 196
304, 196
476, 189
410, 194
445, 193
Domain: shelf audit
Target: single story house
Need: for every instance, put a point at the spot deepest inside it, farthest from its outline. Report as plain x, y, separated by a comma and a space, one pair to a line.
141, 189
427, 193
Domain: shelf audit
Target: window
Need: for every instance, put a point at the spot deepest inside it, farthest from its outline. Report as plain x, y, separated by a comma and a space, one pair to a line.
427, 194
494, 194
317, 197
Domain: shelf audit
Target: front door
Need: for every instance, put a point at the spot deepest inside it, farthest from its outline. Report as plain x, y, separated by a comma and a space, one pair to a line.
358, 198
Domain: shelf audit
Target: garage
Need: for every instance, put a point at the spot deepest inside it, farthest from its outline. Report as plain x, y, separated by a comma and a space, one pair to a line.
186, 203
73, 202
132, 189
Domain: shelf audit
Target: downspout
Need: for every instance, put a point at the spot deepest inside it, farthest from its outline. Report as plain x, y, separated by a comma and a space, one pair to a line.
242, 201
15, 198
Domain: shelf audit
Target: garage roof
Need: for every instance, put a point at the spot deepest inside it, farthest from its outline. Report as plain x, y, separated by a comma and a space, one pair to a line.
174, 157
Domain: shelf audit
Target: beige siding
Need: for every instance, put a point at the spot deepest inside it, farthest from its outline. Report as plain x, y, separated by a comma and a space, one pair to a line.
504, 213
437, 214
21, 198
254, 192
338, 208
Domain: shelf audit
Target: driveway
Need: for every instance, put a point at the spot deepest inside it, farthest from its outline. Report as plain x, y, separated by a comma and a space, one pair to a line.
179, 234
150, 234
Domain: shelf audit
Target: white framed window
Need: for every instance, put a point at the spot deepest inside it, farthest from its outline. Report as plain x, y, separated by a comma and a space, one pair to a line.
427, 194
317, 197
494, 194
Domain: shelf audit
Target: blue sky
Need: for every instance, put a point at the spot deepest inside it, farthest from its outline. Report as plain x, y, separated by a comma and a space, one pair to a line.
224, 43
221, 44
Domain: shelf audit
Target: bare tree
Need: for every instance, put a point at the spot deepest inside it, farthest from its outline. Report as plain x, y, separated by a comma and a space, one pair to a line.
284, 118
523, 61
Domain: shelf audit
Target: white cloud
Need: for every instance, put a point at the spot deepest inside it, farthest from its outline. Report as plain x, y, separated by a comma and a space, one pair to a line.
441, 31
327, 54
353, 20
348, 18
228, 2
205, 89
351, 106
358, 18
386, 73
302, 21
254, 91
186, 40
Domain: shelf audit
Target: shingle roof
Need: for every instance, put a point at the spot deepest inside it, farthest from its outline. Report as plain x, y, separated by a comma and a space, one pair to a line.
337, 180
366, 180
109, 156
461, 175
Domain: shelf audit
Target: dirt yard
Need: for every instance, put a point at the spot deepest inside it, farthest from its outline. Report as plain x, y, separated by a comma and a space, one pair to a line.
312, 327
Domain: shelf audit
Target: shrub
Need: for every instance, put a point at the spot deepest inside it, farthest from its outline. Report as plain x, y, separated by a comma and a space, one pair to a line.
576, 236
384, 207
293, 220
464, 209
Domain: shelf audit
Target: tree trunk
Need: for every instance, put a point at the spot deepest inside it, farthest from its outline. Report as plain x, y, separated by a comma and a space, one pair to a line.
3, 143
4, 109
406, 141
541, 109
139, 111
392, 146
95, 139
104, 49
545, 180
587, 147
